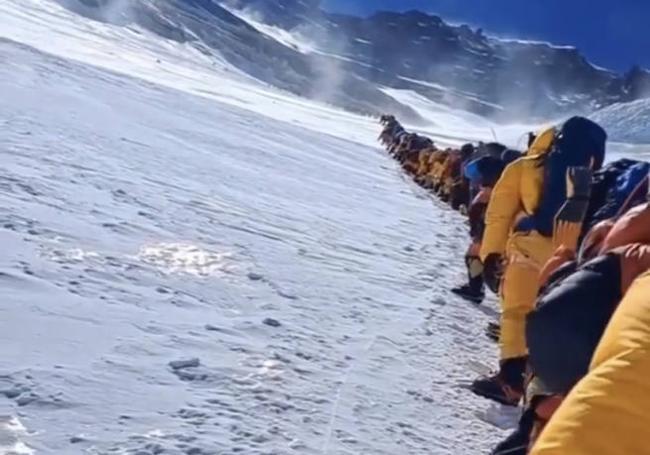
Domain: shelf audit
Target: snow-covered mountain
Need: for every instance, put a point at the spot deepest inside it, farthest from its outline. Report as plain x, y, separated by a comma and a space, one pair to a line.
347, 60
516, 74
198, 262
219, 33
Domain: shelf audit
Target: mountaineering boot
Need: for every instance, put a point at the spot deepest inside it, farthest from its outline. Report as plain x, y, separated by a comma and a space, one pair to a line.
467, 292
493, 331
505, 387
518, 441
472, 291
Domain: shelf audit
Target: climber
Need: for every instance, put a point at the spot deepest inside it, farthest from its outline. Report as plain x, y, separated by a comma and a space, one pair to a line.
575, 304
482, 173
520, 227
607, 411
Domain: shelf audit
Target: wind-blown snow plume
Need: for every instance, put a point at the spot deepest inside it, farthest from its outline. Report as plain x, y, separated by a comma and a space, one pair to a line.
118, 12
329, 71
343, 60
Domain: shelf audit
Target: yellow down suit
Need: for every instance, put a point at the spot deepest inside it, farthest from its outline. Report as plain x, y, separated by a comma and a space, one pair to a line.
608, 411
517, 195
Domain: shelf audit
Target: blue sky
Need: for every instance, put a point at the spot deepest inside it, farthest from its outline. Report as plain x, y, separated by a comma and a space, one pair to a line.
611, 33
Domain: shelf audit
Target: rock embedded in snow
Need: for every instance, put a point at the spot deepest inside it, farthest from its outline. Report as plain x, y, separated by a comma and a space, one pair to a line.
255, 276
11, 393
182, 364
272, 322
24, 400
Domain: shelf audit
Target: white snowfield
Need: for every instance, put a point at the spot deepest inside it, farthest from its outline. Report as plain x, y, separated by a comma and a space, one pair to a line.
196, 263
627, 122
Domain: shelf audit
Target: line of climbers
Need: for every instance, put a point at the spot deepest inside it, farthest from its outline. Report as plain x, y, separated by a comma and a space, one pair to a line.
564, 240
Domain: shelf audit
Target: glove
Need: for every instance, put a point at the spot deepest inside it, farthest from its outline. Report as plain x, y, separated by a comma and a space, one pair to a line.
578, 183
493, 271
570, 217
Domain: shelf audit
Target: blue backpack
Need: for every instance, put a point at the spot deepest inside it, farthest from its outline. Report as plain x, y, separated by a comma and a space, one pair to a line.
616, 188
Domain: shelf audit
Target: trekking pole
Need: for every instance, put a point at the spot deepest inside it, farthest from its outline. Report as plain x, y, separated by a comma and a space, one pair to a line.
494, 134
512, 450
339, 393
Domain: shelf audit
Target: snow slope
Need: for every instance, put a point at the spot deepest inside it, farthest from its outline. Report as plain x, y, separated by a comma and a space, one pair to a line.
138, 53
448, 126
627, 122
154, 214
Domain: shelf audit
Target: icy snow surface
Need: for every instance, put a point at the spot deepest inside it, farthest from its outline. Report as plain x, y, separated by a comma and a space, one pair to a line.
627, 122
196, 263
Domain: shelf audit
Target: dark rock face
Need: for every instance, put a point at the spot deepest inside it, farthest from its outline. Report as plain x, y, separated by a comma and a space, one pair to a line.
636, 84
356, 56
522, 77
